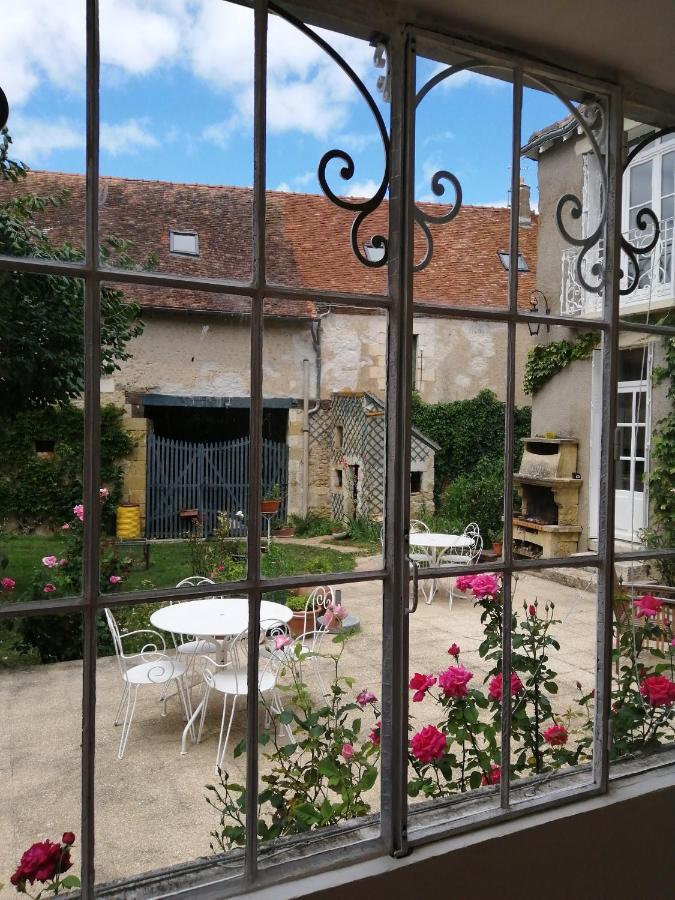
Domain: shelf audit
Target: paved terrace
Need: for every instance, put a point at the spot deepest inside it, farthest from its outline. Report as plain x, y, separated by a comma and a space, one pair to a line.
151, 811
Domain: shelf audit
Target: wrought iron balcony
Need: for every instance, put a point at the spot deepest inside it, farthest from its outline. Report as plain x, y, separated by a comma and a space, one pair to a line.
655, 286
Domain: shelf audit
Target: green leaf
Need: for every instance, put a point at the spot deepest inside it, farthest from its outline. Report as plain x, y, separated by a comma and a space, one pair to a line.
240, 748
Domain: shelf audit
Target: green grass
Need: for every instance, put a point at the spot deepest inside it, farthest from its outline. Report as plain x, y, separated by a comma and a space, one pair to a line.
25, 552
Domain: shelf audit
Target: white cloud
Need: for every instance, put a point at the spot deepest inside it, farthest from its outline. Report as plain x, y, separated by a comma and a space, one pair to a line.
284, 188
219, 133
43, 43
360, 189
34, 140
468, 77
126, 137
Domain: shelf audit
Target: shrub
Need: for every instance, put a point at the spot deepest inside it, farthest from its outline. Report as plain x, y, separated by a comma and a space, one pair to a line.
477, 496
314, 524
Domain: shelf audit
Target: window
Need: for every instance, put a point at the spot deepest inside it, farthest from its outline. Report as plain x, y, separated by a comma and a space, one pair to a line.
374, 254
184, 243
405, 806
505, 261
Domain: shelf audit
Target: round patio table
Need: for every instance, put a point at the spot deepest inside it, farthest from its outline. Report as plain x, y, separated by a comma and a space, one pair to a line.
215, 617
435, 544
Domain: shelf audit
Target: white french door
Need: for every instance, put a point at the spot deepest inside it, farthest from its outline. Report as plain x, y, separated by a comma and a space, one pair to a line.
633, 421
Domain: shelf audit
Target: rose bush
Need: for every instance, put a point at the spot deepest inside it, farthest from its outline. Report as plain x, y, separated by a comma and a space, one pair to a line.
46, 861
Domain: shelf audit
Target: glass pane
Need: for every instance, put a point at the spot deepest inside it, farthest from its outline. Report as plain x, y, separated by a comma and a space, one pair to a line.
642, 712
554, 673
623, 475
41, 701
175, 427
667, 176
461, 188
319, 752
625, 441
640, 406
641, 184
639, 475
42, 151
175, 192
625, 408
640, 441
633, 365
142, 778
41, 436
317, 120
326, 367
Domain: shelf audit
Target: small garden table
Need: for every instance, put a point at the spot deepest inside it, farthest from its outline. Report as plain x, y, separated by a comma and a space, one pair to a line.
435, 544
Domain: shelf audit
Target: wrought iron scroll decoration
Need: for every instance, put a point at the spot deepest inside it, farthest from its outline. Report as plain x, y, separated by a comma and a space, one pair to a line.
4, 109
362, 208
589, 242
644, 217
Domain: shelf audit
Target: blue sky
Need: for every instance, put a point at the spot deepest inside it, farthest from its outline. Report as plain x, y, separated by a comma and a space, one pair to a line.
177, 96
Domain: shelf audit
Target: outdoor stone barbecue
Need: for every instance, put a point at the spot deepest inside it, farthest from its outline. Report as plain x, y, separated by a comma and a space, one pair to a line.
548, 485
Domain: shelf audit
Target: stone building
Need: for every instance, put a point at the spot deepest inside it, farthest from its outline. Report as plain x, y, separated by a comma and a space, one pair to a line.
187, 378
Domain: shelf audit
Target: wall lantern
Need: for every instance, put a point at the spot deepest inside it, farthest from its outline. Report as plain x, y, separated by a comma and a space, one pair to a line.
536, 297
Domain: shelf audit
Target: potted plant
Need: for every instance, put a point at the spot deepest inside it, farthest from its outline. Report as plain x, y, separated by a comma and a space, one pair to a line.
497, 542
271, 500
301, 622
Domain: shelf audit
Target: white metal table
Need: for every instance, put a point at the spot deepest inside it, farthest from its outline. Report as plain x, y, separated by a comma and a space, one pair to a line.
435, 544
217, 618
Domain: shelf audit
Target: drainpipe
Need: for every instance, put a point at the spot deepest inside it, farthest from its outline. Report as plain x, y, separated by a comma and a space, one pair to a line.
306, 411
305, 438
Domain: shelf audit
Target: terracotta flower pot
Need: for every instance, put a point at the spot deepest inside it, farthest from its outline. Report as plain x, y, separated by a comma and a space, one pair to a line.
270, 506
300, 623
497, 547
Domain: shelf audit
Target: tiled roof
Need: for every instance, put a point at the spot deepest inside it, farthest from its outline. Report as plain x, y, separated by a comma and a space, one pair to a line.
308, 242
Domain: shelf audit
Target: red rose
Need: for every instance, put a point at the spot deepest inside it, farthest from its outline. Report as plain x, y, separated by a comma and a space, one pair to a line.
420, 684
532, 610
454, 681
556, 735
68, 838
375, 734
41, 862
658, 690
647, 606
494, 777
428, 744
453, 650
495, 688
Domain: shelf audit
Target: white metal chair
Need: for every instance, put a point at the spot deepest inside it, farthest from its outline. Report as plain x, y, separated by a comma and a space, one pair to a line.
313, 629
418, 527
190, 645
463, 556
150, 666
231, 680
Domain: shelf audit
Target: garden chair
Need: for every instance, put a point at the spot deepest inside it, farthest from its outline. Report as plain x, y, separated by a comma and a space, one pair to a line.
463, 556
231, 680
313, 632
419, 556
150, 666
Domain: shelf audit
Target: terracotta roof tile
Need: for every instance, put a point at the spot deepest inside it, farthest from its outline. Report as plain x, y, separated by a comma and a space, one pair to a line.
308, 242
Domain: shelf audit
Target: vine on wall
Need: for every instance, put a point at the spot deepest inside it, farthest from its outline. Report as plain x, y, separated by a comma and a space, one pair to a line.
662, 476
546, 360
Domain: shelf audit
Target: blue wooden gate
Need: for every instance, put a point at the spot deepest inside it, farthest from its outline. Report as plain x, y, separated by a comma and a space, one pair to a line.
211, 477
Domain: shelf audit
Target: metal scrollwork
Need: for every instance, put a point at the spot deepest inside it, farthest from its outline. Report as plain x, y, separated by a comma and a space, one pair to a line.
362, 208
4, 109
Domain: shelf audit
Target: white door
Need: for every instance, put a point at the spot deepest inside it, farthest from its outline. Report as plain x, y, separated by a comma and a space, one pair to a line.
633, 420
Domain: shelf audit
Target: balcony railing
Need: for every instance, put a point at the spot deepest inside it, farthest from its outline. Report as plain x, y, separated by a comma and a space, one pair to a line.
656, 275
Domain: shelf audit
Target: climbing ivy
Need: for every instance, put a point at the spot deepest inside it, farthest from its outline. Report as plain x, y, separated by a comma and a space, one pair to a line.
546, 360
662, 476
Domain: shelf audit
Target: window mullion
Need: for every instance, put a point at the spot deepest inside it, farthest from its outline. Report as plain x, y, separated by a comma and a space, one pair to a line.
610, 358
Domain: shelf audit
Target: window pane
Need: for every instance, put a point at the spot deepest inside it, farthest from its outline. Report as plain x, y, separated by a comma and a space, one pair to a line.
667, 175
625, 408
41, 701
623, 475
625, 441
641, 184
41, 436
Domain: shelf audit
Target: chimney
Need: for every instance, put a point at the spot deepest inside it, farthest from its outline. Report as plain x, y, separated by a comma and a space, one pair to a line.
525, 215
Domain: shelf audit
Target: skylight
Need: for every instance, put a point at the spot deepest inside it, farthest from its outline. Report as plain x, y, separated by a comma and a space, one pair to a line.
374, 254
184, 242
504, 258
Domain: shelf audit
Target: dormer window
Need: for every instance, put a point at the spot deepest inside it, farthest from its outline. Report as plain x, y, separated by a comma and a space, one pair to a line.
184, 243
505, 257
374, 254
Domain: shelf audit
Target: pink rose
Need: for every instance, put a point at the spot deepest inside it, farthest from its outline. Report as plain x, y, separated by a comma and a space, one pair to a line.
8, 584
103, 493
365, 697
485, 586
428, 744
49, 588
647, 606
495, 687
63, 562
453, 650
49, 561
79, 511
532, 610
494, 777
658, 690
375, 734
672, 643
65, 526
281, 641
347, 751
420, 684
334, 615
114, 579
556, 735
454, 680
464, 582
